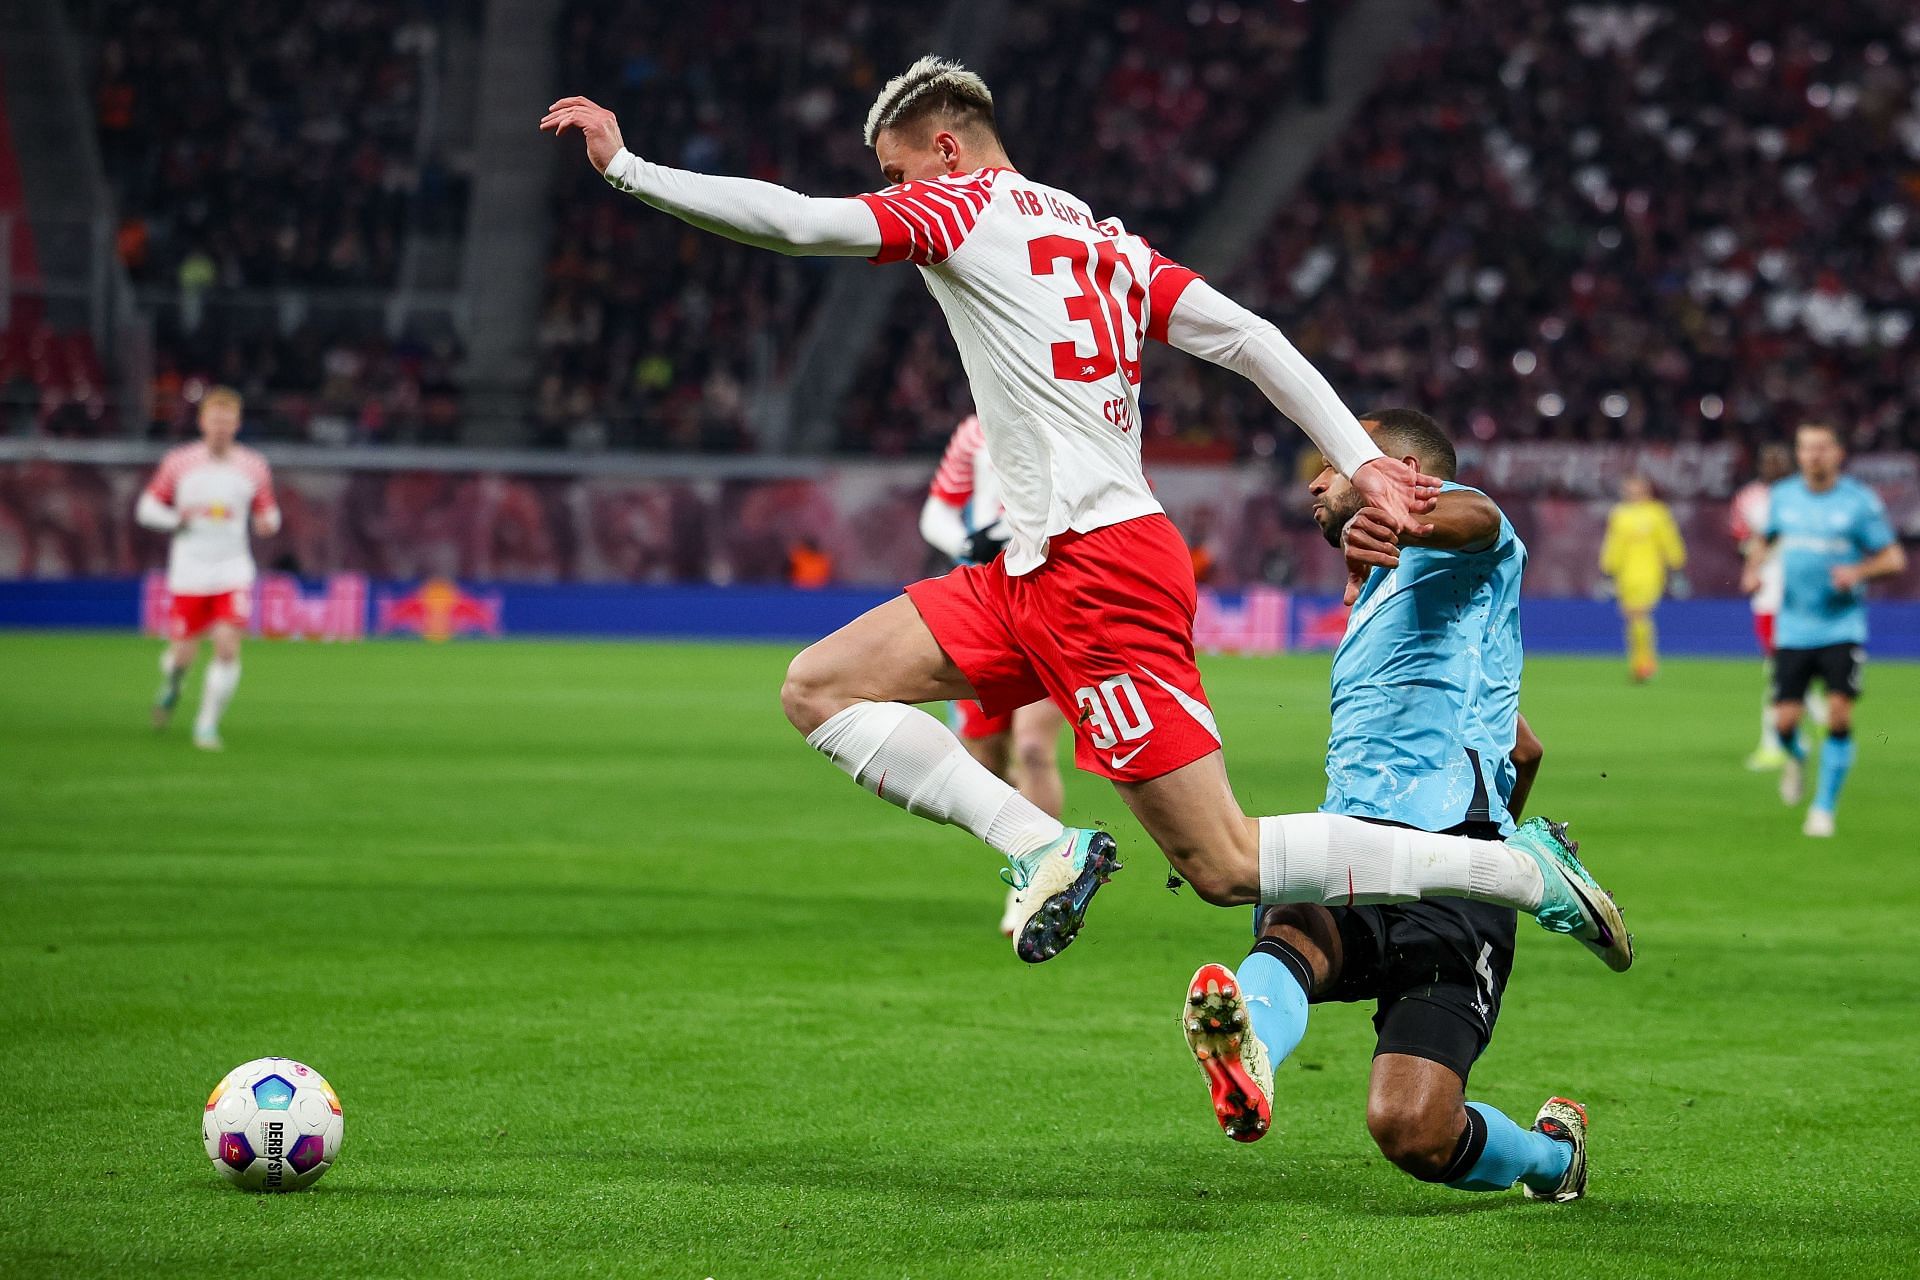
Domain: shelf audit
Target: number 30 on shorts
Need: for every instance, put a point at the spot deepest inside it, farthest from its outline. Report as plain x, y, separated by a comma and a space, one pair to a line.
1114, 711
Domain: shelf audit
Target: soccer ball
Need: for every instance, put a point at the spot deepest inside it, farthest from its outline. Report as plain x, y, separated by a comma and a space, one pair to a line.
272, 1125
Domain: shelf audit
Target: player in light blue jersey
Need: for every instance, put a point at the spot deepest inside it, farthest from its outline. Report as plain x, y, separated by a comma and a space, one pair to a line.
1427, 736
1833, 538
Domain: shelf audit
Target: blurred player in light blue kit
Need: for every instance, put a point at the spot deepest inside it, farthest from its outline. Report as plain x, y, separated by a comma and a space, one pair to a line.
1833, 538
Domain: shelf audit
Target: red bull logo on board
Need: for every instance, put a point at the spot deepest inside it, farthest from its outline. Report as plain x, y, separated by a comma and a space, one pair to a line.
438, 610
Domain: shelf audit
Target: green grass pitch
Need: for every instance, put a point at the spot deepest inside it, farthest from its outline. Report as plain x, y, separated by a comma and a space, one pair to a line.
615, 977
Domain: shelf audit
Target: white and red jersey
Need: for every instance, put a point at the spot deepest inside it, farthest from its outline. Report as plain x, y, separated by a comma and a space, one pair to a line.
1051, 308
215, 499
966, 478
1746, 518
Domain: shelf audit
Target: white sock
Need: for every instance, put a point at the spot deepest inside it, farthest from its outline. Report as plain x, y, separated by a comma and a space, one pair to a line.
1339, 861
906, 757
216, 692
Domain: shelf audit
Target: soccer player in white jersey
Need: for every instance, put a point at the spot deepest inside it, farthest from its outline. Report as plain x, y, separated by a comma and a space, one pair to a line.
1092, 602
962, 519
206, 495
1747, 522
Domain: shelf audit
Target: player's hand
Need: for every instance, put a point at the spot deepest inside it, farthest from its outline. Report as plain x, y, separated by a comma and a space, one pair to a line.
984, 544
1368, 542
1845, 577
1749, 581
1370, 539
1401, 493
595, 123
1356, 579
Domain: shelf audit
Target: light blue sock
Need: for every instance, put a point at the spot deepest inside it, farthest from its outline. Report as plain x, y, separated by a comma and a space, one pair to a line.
1276, 998
1513, 1154
1836, 757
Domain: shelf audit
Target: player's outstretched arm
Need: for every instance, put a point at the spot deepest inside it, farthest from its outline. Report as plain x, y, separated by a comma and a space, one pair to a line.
1208, 324
757, 213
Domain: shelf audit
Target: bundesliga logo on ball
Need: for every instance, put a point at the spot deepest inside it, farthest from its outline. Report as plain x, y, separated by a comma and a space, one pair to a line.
272, 1124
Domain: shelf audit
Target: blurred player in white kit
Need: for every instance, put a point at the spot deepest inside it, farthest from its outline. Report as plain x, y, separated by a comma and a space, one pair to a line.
1747, 522
206, 495
962, 520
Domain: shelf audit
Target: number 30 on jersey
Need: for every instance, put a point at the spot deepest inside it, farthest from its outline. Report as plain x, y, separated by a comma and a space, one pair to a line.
1114, 712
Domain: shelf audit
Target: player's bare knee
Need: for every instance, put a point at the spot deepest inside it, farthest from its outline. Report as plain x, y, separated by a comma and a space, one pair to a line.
809, 694
1210, 883
1420, 1141
1034, 755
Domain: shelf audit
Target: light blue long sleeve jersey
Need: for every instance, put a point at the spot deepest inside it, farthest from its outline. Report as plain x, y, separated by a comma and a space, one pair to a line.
1426, 689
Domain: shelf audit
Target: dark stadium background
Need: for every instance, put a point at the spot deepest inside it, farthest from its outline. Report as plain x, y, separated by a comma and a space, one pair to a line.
1590, 238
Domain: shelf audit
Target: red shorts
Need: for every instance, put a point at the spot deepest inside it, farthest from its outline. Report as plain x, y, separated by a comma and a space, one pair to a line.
189, 616
975, 723
1104, 628
1763, 628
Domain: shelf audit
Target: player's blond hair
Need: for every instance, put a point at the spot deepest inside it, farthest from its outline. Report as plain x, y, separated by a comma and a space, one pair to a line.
222, 395
929, 85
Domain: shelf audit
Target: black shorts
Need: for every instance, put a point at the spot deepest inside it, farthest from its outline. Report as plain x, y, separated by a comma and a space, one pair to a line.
1837, 665
1437, 968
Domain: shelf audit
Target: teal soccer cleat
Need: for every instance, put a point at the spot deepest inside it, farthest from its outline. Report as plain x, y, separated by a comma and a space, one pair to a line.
1055, 884
1571, 900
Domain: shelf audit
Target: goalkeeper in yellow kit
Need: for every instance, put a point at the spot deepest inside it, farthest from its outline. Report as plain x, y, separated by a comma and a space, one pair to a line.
1642, 547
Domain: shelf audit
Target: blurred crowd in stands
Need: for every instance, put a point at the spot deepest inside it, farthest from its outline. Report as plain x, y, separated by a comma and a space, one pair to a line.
1595, 221
271, 143
653, 335
1616, 222
272, 146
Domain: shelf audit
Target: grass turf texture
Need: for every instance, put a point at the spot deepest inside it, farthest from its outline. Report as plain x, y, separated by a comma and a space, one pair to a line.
614, 976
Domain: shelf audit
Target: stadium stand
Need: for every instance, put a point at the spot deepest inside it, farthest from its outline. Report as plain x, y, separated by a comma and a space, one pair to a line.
1717, 236
278, 147
653, 335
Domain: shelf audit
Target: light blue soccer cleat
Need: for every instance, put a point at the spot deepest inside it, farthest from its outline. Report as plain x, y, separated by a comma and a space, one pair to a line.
1571, 900
1055, 884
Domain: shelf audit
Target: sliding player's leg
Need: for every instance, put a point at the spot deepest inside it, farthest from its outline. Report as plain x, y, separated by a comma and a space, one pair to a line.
1439, 971
849, 695
1231, 859
1419, 1117
1241, 1026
